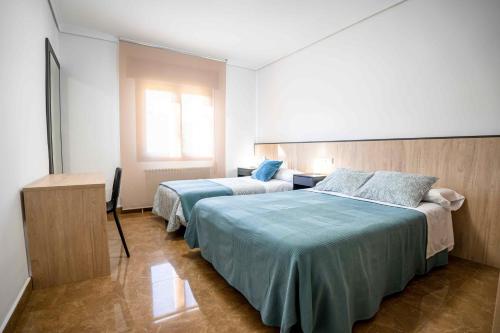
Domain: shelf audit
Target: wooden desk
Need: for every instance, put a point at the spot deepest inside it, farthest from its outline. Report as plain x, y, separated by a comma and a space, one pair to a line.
66, 231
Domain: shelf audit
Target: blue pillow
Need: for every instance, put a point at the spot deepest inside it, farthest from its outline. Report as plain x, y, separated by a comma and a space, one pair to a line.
266, 170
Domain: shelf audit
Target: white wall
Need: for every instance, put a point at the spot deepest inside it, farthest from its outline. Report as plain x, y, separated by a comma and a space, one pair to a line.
240, 118
24, 24
423, 68
89, 100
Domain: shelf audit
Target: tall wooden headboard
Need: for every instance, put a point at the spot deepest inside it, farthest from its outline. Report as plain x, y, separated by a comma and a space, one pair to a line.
468, 165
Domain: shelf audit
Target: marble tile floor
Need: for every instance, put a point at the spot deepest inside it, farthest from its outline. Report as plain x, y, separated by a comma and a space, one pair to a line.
165, 287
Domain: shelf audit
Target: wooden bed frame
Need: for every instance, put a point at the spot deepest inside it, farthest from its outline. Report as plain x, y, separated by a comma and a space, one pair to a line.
468, 165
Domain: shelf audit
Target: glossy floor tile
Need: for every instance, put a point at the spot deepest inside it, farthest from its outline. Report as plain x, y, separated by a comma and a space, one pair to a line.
165, 287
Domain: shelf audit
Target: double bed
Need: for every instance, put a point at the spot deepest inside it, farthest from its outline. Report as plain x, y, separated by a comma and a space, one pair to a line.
174, 199
317, 260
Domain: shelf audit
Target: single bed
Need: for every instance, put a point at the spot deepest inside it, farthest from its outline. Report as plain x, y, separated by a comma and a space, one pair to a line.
169, 204
318, 260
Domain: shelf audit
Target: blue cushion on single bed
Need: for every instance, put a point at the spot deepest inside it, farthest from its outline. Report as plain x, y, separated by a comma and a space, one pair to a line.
266, 170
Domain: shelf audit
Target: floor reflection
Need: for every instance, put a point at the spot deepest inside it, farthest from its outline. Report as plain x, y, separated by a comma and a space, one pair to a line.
170, 294
165, 287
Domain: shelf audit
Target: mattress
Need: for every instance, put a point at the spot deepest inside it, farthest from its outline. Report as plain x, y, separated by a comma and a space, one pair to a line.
439, 223
167, 203
312, 260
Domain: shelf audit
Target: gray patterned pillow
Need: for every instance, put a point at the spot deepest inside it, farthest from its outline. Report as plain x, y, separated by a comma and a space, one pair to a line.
398, 188
344, 181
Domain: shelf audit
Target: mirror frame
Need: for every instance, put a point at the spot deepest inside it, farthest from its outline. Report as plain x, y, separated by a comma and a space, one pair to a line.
49, 52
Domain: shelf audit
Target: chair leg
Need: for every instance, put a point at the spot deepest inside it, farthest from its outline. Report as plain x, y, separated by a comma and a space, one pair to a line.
119, 227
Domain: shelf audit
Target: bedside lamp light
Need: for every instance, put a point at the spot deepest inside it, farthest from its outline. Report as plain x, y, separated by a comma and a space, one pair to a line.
255, 161
323, 165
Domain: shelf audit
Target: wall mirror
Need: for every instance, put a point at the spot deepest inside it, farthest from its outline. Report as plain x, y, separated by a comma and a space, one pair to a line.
53, 106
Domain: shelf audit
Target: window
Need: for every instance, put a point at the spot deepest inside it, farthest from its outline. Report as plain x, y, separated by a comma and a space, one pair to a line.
172, 117
177, 123
197, 126
163, 117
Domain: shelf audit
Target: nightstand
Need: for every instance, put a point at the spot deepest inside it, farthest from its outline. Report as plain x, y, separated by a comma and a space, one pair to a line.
243, 172
306, 180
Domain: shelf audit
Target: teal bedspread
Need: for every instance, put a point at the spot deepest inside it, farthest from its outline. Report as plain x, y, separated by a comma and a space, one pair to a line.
311, 260
191, 191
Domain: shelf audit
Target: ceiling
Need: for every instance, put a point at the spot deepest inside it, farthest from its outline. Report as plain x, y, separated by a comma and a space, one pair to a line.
248, 33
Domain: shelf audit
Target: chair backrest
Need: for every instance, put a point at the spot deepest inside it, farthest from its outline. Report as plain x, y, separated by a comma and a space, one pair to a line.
116, 187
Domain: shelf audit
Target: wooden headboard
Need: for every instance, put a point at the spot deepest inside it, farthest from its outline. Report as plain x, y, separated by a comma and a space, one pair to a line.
468, 165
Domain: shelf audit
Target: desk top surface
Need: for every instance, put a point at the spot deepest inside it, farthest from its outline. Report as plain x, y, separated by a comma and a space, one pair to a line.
64, 180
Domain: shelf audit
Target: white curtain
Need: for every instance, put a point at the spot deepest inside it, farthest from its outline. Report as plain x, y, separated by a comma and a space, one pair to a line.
171, 117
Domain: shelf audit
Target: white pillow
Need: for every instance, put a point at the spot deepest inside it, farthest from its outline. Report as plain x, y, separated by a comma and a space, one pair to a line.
286, 174
445, 197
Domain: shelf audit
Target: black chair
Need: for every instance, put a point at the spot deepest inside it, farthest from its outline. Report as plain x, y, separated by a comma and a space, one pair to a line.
111, 206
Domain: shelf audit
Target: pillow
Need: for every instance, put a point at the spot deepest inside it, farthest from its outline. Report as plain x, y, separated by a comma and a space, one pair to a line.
445, 197
286, 174
398, 188
283, 166
266, 170
344, 181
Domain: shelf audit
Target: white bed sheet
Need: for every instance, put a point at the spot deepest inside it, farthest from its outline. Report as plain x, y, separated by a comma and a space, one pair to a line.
248, 185
168, 205
439, 223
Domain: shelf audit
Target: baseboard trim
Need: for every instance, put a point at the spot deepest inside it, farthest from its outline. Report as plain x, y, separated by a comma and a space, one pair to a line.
135, 210
17, 308
124, 212
496, 315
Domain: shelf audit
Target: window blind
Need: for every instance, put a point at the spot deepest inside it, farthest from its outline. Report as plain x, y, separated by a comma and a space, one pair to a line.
171, 116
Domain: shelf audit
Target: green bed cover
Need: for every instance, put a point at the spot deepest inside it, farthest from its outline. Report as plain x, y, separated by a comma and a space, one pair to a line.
311, 260
190, 191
